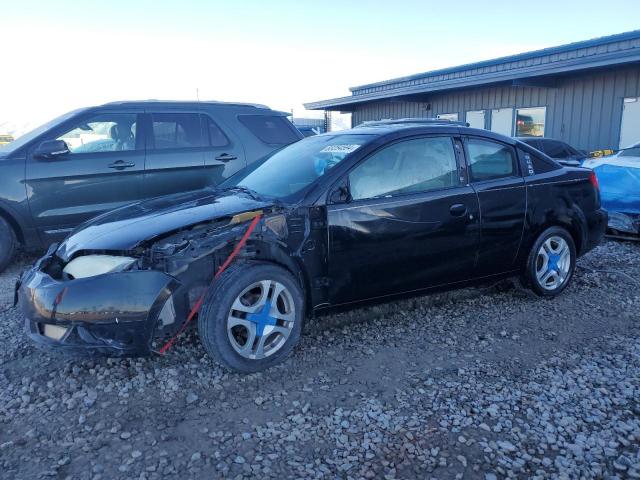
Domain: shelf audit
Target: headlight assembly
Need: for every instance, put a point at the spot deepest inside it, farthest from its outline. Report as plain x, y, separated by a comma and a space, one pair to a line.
92, 265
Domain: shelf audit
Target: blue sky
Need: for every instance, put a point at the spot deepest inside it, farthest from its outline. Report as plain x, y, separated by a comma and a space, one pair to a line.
60, 55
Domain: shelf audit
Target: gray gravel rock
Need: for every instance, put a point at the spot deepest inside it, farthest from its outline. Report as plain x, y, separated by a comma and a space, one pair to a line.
478, 383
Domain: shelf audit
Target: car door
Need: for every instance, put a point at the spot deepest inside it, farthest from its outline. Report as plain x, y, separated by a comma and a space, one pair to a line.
225, 153
102, 171
175, 152
411, 222
495, 175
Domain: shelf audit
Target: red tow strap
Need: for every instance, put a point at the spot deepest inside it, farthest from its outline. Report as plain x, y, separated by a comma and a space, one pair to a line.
221, 269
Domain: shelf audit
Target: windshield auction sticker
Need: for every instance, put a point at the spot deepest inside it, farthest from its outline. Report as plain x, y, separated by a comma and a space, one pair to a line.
340, 148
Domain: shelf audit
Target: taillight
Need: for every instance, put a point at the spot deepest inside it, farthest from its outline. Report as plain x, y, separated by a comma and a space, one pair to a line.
594, 181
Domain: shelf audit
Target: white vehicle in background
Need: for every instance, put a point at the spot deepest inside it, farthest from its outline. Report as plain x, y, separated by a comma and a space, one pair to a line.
619, 179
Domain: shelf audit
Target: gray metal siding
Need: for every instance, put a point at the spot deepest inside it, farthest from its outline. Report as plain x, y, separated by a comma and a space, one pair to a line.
584, 110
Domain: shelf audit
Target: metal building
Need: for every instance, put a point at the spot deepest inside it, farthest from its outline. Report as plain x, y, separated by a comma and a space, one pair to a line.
585, 93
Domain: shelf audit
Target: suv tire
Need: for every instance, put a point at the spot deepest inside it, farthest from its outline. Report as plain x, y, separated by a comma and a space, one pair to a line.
8, 244
251, 318
551, 262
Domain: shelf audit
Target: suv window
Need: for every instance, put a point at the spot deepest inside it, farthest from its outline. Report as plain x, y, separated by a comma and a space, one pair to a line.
270, 128
409, 166
107, 132
176, 130
555, 149
217, 138
490, 160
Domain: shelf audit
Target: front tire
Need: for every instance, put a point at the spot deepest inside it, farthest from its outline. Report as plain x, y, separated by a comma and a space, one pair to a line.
251, 318
551, 262
8, 244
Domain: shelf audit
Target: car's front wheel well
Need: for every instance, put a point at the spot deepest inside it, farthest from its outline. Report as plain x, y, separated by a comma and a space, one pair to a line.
14, 225
269, 253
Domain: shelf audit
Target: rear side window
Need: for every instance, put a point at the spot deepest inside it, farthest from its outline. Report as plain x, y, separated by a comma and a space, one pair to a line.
555, 149
535, 164
176, 130
490, 160
270, 128
217, 138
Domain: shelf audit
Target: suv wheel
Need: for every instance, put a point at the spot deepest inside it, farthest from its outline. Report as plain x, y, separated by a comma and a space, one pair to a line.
252, 317
8, 244
551, 262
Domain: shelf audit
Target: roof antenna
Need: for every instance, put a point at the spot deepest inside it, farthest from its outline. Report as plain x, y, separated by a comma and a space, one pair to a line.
197, 95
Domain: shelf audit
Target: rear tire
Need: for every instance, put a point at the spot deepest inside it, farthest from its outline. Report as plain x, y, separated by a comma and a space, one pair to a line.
8, 244
551, 262
251, 318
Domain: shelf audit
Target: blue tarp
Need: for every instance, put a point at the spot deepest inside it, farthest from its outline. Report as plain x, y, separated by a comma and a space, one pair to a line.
619, 179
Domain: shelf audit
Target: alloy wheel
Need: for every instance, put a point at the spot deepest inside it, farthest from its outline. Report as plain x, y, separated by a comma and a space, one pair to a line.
261, 319
553, 263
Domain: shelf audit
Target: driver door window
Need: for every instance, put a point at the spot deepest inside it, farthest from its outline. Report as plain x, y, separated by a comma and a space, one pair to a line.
103, 133
411, 166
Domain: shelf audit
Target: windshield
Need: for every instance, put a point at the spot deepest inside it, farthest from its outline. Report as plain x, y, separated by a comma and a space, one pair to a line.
27, 137
296, 166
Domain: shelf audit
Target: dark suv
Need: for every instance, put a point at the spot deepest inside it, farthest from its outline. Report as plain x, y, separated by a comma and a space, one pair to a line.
96, 159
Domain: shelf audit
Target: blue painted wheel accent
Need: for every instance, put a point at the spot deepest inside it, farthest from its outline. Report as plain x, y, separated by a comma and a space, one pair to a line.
262, 318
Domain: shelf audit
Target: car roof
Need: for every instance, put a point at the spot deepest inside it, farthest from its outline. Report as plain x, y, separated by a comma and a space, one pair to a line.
543, 139
191, 103
383, 129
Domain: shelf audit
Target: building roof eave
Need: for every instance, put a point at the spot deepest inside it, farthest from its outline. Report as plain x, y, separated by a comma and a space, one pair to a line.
561, 67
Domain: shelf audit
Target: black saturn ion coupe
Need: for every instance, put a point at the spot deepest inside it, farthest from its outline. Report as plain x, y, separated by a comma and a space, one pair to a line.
385, 209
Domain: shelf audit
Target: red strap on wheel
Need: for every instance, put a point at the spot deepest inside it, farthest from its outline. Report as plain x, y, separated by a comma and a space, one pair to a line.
221, 269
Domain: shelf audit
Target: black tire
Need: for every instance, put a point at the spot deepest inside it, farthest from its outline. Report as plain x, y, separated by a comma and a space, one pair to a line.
530, 275
216, 308
8, 244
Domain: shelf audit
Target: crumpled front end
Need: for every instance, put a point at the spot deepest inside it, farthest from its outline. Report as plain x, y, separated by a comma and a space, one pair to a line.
115, 313
80, 303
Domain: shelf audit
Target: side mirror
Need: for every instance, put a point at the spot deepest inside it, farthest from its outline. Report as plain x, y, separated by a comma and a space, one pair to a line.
51, 149
340, 194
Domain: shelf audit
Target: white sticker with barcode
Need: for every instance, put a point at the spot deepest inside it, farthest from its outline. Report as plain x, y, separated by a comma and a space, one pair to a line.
339, 148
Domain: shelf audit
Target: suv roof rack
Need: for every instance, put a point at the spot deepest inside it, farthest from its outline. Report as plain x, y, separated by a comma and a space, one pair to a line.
419, 121
217, 102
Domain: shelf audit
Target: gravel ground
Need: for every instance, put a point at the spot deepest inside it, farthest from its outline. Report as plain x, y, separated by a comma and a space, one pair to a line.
479, 383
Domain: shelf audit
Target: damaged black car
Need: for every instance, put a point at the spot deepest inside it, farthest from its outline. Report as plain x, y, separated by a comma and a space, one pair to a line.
383, 210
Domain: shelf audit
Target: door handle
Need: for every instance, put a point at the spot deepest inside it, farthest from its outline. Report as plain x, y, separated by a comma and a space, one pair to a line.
226, 157
458, 209
121, 165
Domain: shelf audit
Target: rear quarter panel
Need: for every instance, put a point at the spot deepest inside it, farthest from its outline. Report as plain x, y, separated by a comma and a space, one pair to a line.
562, 197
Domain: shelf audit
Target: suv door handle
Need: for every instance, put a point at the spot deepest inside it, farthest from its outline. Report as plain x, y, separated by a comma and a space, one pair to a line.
458, 209
121, 165
226, 157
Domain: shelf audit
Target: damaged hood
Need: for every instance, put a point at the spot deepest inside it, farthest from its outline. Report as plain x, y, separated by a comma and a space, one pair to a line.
127, 227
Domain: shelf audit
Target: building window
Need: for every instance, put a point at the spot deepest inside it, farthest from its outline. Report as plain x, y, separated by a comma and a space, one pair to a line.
448, 116
630, 124
502, 121
530, 122
475, 118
